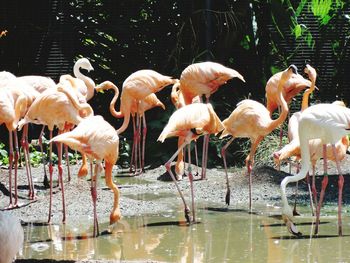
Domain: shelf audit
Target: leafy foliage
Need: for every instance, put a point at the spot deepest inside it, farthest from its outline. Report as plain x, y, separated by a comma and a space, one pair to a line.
4, 159
257, 38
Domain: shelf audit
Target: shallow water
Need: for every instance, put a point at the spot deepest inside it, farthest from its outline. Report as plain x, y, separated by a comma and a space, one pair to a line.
221, 235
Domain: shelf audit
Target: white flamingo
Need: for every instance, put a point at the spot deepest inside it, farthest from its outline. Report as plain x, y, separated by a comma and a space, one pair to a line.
329, 123
11, 237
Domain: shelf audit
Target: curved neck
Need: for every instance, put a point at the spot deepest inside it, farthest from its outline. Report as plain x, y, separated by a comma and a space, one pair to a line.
109, 85
305, 101
284, 109
90, 84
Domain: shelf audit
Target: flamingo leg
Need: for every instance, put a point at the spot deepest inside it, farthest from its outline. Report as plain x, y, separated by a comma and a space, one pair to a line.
190, 177
223, 154
50, 173
205, 156
16, 156
281, 130
295, 212
94, 197
180, 162
25, 146
144, 133
340, 193
60, 178
139, 141
196, 156
313, 191
168, 168
11, 157
46, 181
67, 161
323, 189
83, 171
133, 151
249, 163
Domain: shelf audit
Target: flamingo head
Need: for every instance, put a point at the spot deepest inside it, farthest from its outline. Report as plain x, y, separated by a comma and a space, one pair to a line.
287, 216
85, 64
293, 68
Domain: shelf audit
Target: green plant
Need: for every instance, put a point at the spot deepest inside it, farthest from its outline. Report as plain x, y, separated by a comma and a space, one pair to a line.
4, 158
267, 146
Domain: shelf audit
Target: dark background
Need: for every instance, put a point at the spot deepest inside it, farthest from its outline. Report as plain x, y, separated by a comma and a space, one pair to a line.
256, 38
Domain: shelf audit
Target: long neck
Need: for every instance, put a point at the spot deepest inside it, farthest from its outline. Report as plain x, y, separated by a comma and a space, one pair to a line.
284, 109
109, 85
305, 101
305, 166
90, 84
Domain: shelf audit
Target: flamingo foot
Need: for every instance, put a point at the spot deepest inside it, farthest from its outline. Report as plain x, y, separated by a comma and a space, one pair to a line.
32, 196
46, 182
295, 212
291, 226
187, 215
11, 206
228, 197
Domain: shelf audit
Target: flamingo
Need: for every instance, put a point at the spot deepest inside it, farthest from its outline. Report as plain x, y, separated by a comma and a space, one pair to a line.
252, 120
293, 148
178, 100
56, 107
5, 77
85, 87
137, 109
11, 237
329, 123
40, 84
85, 91
15, 98
136, 88
188, 123
204, 79
290, 89
97, 139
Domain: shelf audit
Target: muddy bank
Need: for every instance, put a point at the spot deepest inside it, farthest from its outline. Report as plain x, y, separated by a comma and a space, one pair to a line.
153, 193
146, 194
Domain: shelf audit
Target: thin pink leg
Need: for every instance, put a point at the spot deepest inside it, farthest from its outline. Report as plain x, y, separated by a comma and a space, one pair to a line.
133, 146
323, 189
50, 172
205, 155
25, 146
168, 168
313, 193
196, 156
16, 156
94, 197
295, 212
46, 180
11, 157
223, 154
139, 142
144, 133
60, 178
66, 154
190, 177
249, 168
340, 193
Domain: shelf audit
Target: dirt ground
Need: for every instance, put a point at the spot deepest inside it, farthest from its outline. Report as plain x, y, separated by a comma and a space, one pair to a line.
154, 193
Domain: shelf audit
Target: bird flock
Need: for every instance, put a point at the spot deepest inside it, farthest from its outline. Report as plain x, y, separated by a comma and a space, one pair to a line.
314, 132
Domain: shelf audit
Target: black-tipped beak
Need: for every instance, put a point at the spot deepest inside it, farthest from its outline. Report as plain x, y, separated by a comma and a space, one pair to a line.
293, 68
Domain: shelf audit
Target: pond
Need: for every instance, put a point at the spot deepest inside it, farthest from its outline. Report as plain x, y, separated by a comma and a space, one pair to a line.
221, 235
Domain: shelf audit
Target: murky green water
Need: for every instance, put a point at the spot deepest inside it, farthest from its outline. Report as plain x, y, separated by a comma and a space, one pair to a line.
231, 235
